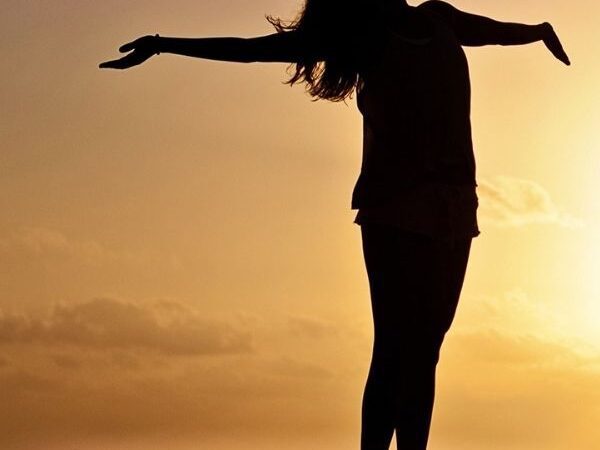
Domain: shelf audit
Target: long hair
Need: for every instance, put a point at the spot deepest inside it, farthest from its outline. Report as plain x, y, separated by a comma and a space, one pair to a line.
341, 30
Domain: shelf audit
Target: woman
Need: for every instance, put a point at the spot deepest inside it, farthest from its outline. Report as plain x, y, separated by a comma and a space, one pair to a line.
415, 194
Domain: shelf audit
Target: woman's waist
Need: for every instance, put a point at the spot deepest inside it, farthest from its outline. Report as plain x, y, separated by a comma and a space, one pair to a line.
421, 193
413, 175
436, 209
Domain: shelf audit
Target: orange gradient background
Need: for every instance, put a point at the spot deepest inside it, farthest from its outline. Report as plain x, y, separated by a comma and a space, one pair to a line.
178, 264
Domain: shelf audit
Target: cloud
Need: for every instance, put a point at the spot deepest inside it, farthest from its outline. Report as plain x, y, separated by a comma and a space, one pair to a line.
509, 391
291, 367
506, 201
66, 361
105, 323
311, 327
42, 241
108, 368
512, 378
512, 312
69, 381
524, 350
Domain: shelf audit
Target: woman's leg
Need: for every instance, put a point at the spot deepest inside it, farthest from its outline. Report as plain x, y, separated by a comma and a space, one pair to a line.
415, 283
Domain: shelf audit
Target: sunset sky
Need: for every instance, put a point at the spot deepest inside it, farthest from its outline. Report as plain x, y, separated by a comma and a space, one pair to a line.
178, 264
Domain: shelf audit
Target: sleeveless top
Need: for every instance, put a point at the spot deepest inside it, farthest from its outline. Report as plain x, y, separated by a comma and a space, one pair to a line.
418, 165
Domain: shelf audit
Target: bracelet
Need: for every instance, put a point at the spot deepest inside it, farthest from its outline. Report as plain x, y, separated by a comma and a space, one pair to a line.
156, 38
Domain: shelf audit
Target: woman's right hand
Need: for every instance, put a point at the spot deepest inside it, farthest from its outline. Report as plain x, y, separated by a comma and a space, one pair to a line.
553, 44
143, 48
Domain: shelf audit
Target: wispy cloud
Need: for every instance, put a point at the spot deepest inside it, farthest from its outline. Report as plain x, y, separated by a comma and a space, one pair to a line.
43, 242
311, 327
506, 201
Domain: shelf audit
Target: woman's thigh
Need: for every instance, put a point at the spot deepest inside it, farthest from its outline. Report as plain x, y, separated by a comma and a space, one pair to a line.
415, 282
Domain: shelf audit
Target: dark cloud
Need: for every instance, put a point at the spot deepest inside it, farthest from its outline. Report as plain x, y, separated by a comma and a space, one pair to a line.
105, 323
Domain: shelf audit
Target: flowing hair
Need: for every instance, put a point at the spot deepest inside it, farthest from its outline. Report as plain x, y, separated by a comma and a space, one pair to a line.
342, 31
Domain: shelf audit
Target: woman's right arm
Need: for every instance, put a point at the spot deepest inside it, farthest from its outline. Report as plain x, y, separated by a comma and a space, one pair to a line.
287, 47
474, 30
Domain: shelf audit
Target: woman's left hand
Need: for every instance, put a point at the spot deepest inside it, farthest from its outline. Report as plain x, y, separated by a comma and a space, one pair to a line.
553, 44
143, 49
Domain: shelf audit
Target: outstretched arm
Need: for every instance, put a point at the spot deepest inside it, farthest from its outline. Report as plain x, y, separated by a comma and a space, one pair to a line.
285, 47
474, 30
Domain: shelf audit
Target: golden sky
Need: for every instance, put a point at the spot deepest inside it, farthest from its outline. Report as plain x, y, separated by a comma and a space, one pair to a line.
178, 264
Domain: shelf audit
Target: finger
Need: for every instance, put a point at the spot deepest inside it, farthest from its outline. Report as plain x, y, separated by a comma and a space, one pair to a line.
562, 55
122, 63
109, 64
555, 46
129, 46
133, 59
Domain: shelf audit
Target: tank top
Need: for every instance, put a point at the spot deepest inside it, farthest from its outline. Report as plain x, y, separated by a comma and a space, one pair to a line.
418, 165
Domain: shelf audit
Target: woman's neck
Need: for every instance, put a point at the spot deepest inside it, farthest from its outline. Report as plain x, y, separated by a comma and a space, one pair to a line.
406, 20
395, 4
397, 8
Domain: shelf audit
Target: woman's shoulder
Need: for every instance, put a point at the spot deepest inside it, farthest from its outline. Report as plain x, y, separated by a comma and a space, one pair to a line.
439, 8
436, 5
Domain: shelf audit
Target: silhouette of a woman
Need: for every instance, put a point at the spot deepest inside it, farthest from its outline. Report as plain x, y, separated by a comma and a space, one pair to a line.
415, 194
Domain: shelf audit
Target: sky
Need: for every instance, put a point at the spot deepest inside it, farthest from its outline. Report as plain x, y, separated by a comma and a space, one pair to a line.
178, 264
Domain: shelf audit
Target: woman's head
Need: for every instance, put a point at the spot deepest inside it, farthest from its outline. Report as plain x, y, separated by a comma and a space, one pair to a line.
341, 31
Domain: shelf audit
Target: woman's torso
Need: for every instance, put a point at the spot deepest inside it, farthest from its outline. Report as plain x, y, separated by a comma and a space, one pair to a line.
417, 147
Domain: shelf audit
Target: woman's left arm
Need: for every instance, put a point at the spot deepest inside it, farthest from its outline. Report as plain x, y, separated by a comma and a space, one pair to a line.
287, 47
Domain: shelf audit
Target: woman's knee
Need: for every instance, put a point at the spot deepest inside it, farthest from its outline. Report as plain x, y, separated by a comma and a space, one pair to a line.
400, 356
